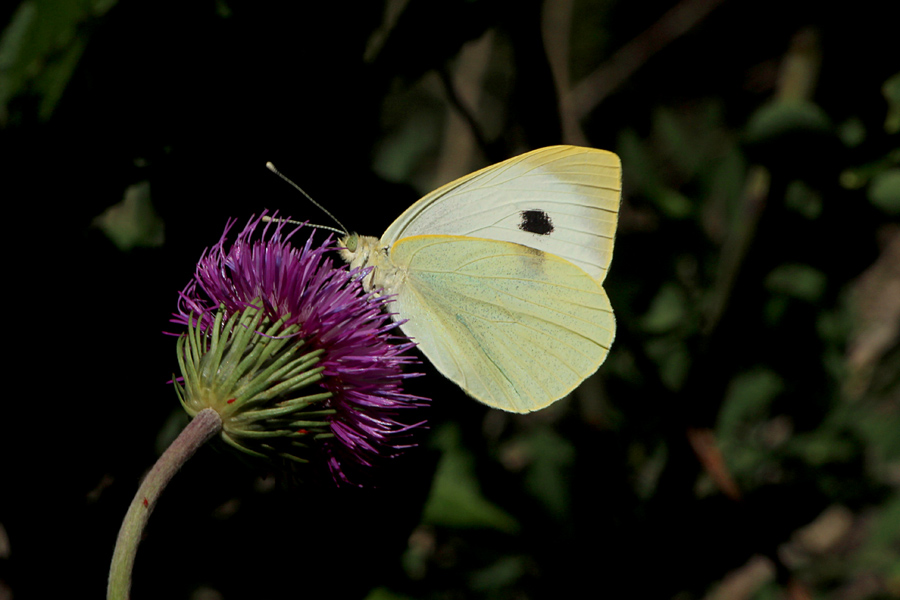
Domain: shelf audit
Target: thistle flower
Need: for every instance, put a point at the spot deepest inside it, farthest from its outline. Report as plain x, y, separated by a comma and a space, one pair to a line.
300, 363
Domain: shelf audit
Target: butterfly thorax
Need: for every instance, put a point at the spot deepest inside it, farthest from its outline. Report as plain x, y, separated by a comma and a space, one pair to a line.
363, 251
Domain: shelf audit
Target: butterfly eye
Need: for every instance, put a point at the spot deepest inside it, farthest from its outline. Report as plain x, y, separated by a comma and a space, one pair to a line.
351, 242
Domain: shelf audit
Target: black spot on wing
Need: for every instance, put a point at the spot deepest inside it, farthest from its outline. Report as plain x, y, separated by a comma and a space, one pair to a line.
536, 221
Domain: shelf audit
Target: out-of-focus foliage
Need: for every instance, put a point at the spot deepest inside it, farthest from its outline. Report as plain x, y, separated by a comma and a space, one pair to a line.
39, 50
742, 440
455, 500
132, 222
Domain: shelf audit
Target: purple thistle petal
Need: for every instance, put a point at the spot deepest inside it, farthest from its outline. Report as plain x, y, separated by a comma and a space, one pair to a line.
363, 353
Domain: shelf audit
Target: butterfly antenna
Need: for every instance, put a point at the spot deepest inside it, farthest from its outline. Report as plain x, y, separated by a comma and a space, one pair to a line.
267, 219
343, 229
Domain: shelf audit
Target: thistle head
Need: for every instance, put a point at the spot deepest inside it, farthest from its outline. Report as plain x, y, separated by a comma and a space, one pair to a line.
301, 364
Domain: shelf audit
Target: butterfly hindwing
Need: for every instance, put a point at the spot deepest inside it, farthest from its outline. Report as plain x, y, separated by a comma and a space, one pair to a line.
515, 327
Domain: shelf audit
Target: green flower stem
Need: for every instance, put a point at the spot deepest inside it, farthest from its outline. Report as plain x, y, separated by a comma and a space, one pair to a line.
200, 430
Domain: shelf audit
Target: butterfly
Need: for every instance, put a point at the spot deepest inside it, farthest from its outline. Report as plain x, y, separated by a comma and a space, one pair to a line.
498, 276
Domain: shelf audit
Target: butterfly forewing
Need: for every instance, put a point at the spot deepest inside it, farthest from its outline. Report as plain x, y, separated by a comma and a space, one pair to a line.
563, 200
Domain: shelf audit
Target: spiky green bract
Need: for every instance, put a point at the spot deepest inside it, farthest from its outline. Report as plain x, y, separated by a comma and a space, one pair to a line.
261, 383
300, 362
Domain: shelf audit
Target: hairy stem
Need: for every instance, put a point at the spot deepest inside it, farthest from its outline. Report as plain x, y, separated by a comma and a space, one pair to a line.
200, 430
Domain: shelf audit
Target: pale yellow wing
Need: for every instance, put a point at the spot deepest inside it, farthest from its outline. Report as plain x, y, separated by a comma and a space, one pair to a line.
515, 327
563, 200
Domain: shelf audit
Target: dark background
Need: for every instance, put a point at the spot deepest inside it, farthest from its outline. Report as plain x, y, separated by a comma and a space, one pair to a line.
742, 439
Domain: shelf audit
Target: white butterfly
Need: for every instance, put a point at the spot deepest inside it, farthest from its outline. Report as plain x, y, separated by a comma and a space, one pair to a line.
498, 274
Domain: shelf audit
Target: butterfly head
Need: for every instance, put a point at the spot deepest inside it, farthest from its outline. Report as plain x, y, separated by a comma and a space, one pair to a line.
351, 251
358, 250
363, 251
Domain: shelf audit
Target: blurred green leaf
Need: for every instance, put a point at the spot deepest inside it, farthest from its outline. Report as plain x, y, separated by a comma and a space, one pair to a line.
590, 36
503, 573
648, 466
640, 172
383, 593
833, 326
676, 139
880, 427
747, 400
13, 43
644, 174
549, 457
775, 309
41, 47
401, 152
881, 548
667, 311
777, 118
891, 91
769, 591
820, 447
690, 138
673, 359
456, 499
724, 188
852, 132
797, 281
856, 177
133, 222
673, 204
802, 198
884, 191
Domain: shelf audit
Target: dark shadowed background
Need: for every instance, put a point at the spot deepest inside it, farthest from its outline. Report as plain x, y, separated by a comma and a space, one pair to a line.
742, 440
